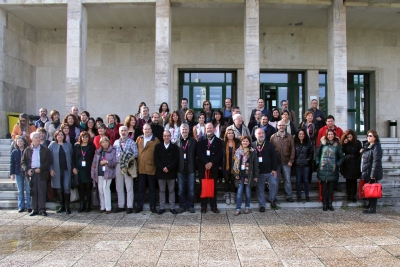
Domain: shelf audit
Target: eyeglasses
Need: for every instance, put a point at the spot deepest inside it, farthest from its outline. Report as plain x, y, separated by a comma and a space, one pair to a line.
281, 125
85, 136
22, 120
206, 104
370, 135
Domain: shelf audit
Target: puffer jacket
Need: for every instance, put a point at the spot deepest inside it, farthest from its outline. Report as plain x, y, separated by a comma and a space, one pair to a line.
304, 154
110, 156
372, 163
328, 158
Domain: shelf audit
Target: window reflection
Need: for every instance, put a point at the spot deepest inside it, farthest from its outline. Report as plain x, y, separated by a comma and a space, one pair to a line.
274, 77
207, 77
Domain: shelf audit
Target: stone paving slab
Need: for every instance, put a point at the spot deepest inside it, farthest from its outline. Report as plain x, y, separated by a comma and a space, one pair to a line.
297, 237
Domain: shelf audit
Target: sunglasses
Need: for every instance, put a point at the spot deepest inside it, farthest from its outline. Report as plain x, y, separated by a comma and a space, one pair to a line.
370, 135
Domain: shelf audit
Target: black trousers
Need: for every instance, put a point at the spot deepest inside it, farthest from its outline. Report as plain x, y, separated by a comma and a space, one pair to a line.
351, 188
39, 190
213, 201
85, 190
327, 192
142, 178
229, 185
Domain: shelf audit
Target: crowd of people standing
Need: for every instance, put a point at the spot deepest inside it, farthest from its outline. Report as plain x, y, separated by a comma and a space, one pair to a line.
167, 147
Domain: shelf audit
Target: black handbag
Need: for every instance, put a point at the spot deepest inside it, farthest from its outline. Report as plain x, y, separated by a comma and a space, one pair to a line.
95, 196
74, 181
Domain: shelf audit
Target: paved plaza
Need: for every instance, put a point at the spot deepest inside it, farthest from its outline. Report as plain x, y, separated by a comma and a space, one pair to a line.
291, 237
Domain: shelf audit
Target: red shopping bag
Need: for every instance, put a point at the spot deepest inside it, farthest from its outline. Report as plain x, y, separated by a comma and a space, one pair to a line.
320, 192
360, 189
372, 190
207, 185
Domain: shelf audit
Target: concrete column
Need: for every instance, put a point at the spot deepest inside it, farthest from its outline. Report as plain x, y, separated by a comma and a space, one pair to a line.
337, 63
3, 102
76, 55
312, 84
251, 56
163, 53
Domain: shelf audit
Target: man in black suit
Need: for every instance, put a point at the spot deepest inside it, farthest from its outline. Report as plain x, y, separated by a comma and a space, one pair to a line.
256, 121
261, 107
156, 128
209, 156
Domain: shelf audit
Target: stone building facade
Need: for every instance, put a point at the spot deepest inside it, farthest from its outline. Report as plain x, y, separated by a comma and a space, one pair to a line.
108, 56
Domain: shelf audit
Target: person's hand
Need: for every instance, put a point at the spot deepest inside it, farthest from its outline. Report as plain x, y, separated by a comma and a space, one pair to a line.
103, 162
237, 177
52, 173
75, 171
275, 174
209, 165
345, 141
12, 177
289, 164
318, 119
255, 180
165, 169
37, 170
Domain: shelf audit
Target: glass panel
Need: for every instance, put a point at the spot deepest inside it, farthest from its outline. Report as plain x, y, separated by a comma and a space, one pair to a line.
229, 77
228, 91
362, 111
300, 78
322, 78
207, 77
185, 93
274, 77
351, 99
322, 99
186, 77
361, 78
300, 111
216, 96
282, 95
199, 96
351, 121
356, 79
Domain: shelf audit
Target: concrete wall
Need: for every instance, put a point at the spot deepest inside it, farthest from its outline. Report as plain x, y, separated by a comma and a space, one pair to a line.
17, 77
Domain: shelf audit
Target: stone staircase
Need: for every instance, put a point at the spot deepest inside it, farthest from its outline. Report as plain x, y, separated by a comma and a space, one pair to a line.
390, 183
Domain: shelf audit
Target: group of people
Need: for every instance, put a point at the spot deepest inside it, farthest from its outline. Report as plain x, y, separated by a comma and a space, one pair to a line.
168, 147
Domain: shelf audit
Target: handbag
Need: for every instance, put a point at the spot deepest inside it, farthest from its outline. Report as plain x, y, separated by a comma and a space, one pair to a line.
74, 195
95, 197
372, 190
75, 180
360, 189
207, 185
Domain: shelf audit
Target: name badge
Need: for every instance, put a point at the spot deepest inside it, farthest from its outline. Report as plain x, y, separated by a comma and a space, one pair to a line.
184, 156
104, 168
208, 153
119, 154
259, 159
242, 167
83, 163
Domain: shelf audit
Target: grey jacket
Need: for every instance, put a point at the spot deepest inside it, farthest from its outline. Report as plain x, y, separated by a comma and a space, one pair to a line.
55, 166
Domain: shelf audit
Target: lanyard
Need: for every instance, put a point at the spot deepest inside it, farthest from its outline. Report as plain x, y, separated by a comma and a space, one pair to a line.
260, 149
103, 155
83, 154
185, 146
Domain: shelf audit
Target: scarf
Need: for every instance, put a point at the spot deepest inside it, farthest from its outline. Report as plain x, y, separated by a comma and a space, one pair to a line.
111, 127
241, 155
227, 161
83, 125
200, 133
56, 124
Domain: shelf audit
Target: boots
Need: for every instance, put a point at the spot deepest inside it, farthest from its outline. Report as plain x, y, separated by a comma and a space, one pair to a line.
62, 205
67, 199
88, 202
330, 206
81, 206
227, 198
371, 210
233, 198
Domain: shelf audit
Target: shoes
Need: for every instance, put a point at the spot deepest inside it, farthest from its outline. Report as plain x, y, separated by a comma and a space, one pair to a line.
61, 209
203, 209
330, 207
366, 206
153, 209
233, 198
215, 210
67, 211
21, 210
108, 212
180, 210
246, 211
289, 199
298, 199
307, 198
101, 211
262, 209
236, 213
324, 208
227, 198
81, 207
119, 210
173, 211
191, 210
33, 213
371, 210
43, 213
160, 211
354, 200
129, 210
337, 189
138, 210
273, 205
29, 210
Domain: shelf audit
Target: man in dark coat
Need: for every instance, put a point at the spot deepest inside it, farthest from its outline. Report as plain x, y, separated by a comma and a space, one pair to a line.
261, 107
269, 130
166, 158
36, 162
156, 128
186, 169
209, 156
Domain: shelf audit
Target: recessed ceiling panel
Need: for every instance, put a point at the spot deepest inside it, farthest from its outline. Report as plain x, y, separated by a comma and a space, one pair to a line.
43, 17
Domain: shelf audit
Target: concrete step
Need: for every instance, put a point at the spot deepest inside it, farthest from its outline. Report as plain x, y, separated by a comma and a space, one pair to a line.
8, 195
8, 185
4, 167
5, 141
5, 160
4, 174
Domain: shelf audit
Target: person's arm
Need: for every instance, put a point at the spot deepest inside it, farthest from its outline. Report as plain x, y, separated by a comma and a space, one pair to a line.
256, 171
292, 151
15, 132
157, 157
45, 164
340, 155
376, 161
12, 164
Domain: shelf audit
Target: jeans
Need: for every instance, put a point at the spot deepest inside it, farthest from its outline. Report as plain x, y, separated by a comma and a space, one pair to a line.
23, 189
302, 177
247, 189
285, 170
272, 182
142, 189
186, 190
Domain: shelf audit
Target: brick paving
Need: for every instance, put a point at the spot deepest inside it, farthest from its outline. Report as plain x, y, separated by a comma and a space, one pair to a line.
291, 237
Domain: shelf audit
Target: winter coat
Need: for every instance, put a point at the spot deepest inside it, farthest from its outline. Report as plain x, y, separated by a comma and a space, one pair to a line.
284, 148
304, 154
145, 159
350, 168
190, 155
253, 168
267, 133
372, 163
110, 156
15, 162
328, 158
245, 131
51, 130
166, 157
45, 162
215, 154
54, 148
88, 157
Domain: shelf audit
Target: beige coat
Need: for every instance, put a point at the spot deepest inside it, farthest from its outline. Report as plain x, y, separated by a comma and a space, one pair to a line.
146, 163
